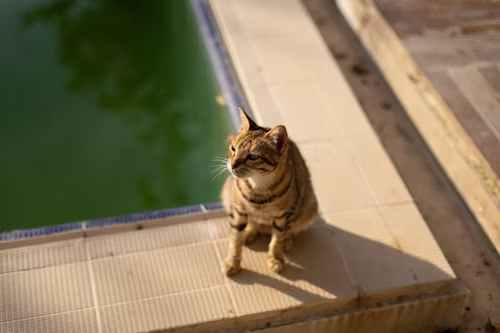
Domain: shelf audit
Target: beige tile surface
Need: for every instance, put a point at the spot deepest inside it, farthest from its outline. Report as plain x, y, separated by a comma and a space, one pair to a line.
168, 312
315, 273
414, 237
261, 98
151, 239
291, 60
268, 19
31, 257
156, 273
302, 109
338, 184
342, 106
84, 321
377, 170
44, 291
371, 253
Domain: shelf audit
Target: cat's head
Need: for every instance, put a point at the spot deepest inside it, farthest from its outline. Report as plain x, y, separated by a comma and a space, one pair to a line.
255, 150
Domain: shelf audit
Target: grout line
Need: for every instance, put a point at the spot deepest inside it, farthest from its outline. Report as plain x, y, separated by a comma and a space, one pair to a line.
93, 288
227, 283
43, 245
180, 293
46, 315
378, 205
350, 275
160, 249
28, 270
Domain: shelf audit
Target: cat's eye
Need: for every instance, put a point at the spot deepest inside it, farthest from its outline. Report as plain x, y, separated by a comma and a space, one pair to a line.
232, 148
252, 157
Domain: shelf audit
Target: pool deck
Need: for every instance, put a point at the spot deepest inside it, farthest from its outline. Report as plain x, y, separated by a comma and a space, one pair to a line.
369, 264
442, 61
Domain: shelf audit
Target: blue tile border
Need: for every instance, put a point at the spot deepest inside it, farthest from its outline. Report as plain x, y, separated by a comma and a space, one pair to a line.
42, 231
234, 98
214, 206
221, 62
147, 216
108, 222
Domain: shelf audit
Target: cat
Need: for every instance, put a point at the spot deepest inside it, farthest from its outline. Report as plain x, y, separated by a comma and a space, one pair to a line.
269, 190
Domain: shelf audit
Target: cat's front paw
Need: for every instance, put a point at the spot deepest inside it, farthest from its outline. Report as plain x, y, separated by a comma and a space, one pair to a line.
229, 267
275, 264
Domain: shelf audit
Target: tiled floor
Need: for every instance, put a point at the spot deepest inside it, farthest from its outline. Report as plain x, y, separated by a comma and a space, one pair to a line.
170, 276
370, 241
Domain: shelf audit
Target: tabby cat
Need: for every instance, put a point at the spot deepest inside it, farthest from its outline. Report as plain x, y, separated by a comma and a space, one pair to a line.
269, 190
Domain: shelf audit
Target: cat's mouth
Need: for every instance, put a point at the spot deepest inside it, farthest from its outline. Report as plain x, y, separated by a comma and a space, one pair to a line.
237, 173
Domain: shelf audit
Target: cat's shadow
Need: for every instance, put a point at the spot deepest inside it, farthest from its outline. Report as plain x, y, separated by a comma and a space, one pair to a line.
327, 262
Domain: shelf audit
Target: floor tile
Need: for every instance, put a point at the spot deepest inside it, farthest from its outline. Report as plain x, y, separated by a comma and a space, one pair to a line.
44, 291
371, 253
39, 256
156, 273
168, 312
415, 239
378, 171
84, 321
149, 239
338, 184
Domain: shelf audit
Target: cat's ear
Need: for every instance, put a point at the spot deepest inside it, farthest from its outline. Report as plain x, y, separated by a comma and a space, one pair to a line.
247, 124
279, 137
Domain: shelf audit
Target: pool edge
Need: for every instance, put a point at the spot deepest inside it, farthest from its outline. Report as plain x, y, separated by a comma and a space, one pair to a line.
94, 227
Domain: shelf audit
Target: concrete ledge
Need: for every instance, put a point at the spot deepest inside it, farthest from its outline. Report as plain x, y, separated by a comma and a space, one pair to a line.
450, 144
409, 317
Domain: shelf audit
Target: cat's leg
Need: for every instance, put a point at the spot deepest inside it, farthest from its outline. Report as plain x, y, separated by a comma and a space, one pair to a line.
251, 233
238, 222
295, 229
276, 252
288, 243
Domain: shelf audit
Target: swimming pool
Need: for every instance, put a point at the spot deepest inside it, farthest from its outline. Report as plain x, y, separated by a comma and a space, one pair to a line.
108, 108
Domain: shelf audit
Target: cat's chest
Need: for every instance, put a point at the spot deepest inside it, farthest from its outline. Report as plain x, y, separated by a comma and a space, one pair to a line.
261, 218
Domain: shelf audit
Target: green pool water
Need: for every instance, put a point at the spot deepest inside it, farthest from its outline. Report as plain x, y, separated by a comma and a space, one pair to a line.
108, 107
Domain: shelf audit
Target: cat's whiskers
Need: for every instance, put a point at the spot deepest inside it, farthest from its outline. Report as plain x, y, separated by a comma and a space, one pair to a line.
218, 168
219, 172
220, 162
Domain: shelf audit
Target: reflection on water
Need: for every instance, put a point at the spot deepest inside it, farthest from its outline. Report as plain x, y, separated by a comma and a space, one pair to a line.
108, 107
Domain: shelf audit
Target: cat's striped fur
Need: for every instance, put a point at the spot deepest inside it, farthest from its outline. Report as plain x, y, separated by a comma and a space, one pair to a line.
269, 190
